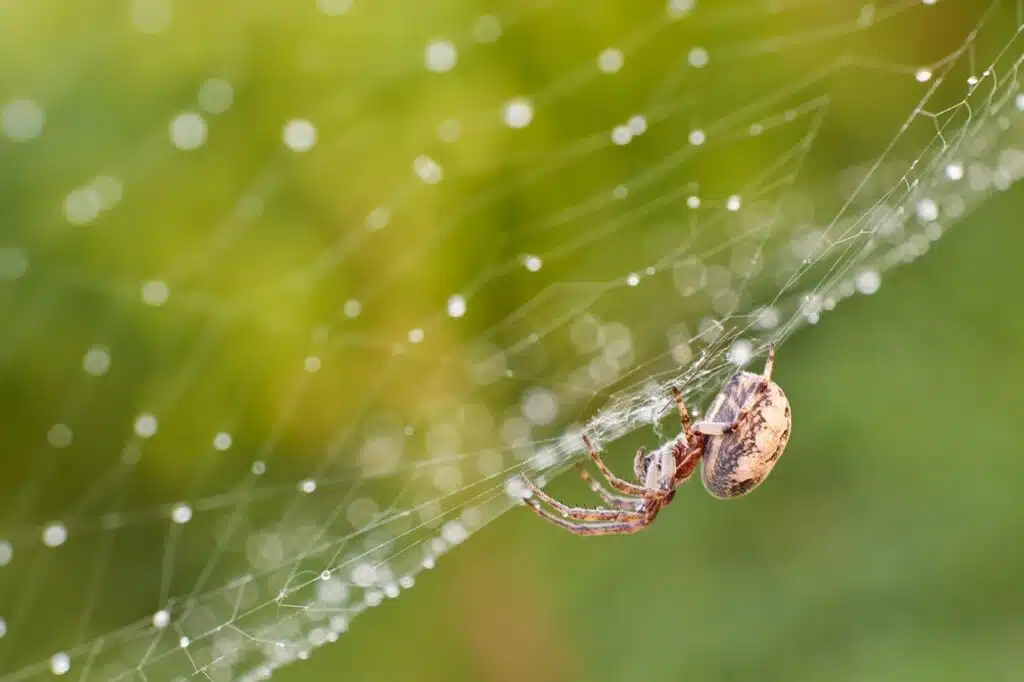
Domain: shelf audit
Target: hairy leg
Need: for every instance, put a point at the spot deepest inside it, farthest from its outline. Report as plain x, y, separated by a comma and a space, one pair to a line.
613, 480
610, 498
687, 460
640, 463
769, 364
722, 428
577, 528
709, 428
666, 470
684, 414
582, 513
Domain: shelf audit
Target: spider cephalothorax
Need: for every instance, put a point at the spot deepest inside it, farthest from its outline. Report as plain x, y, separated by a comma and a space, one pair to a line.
744, 432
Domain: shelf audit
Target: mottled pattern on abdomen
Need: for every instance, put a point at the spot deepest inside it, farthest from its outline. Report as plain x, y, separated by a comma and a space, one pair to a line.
734, 463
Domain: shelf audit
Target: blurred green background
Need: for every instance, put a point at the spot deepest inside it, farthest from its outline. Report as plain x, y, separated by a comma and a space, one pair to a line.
886, 546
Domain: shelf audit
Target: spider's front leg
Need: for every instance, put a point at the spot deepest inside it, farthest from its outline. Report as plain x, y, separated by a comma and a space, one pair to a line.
684, 414
721, 428
688, 450
769, 364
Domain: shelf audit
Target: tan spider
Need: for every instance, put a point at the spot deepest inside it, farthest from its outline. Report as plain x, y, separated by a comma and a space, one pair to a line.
745, 431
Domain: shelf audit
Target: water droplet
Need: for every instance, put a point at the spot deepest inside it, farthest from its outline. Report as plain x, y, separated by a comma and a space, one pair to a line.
378, 218
352, 308
22, 120
60, 663
440, 56
161, 619
155, 292
518, 113
182, 513
13, 263
151, 16
610, 60
188, 131
540, 406
679, 8
697, 57
449, 130
927, 210
428, 170
216, 96
55, 534
59, 435
364, 575
456, 306
334, 8
621, 135
741, 352
145, 425
82, 205
868, 281
96, 361
486, 29
299, 135
532, 263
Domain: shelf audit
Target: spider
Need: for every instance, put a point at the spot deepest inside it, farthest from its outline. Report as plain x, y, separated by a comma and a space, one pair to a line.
745, 431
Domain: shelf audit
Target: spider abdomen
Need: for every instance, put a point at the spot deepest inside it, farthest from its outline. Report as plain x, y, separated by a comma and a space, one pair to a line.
736, 462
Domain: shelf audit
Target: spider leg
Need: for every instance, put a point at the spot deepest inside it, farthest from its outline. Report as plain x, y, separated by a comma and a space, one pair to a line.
581, 513
717, 428
684, 414
722, 428
687, 462
640, 463
615, 528
769, 364
613, 480
662, 483
610, 498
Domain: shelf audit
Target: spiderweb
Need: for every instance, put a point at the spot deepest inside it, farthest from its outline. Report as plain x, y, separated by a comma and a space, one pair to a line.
292, 294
